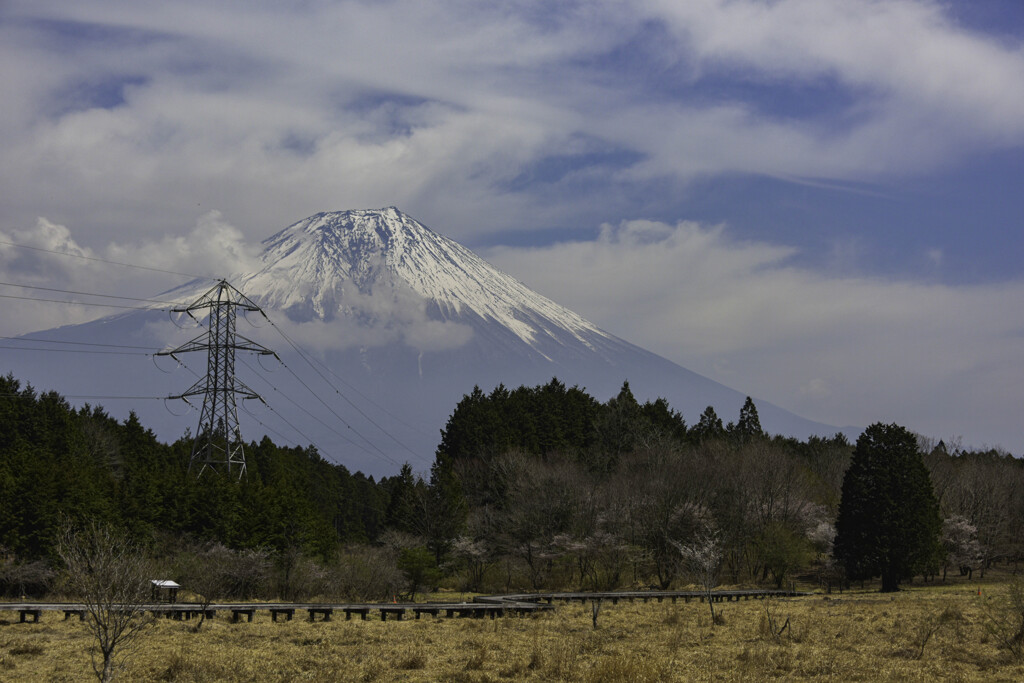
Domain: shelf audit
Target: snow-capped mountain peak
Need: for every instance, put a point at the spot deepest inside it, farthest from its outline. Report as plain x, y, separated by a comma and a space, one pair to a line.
337, 263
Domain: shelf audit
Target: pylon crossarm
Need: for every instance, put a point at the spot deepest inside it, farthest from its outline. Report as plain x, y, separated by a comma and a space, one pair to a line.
188, 311
184, 397
206, 299
243, 300
200, 343
246, 344
245, 392
184, 348
198, 389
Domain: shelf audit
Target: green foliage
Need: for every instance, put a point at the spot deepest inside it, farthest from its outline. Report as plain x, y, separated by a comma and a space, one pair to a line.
782, 550
708, 427
531, 488
419, 567
618, 426
82, 464
401, 490
542, 420
888, 523
749, 425
663, 419
553, 422
441, 508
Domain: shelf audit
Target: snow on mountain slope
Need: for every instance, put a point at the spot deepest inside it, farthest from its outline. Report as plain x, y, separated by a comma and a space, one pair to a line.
333, 264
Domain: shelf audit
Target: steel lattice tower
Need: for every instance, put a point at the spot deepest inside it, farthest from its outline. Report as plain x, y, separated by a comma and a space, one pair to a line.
218, 441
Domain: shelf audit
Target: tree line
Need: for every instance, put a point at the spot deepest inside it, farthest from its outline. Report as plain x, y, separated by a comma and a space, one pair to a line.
533, 487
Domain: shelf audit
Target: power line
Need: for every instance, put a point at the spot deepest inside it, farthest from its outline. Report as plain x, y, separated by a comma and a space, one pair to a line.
281, 417
288, 441
92, 351
302, 355
306, 410
270, 429
298, 431
104, 296
92, 397
339, 417
102, 260
83, 303
343, 420
76, 343
311, 358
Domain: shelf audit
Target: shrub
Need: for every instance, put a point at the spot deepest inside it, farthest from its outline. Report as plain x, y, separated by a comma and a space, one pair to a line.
1004, 619
367, 573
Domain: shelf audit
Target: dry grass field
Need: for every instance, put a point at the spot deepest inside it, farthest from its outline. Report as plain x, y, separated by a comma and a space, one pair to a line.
933, 633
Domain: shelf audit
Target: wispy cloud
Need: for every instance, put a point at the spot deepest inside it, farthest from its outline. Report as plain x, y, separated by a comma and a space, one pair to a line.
145, 116
47, 255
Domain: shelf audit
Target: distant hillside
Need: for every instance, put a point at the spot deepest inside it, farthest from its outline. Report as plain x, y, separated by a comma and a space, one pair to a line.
382, 325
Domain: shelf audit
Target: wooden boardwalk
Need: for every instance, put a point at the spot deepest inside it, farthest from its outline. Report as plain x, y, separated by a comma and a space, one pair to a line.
491, 606
631, 596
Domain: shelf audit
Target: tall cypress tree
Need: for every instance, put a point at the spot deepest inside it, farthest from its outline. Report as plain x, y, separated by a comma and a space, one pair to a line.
749, 425
888, 522
708, 427
442, 509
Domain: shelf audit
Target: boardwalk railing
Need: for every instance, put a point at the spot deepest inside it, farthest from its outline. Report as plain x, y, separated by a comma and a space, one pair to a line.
482, 606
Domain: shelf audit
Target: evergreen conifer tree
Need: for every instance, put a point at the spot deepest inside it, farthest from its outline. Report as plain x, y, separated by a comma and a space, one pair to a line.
618, 425
888, 522
749, 425
709, 426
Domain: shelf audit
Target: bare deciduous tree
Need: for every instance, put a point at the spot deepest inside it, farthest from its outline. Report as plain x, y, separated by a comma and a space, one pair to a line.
368, 573
1004, 618
23, 578
207, 572
960, 543
474, 556
703, 559
110, 575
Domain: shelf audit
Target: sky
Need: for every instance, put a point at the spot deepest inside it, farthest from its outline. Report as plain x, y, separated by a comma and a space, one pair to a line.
816, 202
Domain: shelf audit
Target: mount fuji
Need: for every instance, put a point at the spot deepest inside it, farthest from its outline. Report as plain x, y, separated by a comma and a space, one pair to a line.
382, 325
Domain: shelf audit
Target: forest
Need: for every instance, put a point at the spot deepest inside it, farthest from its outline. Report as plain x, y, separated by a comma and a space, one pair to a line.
531, 488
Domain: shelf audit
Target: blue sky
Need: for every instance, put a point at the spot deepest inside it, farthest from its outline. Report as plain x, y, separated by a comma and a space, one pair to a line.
852, 167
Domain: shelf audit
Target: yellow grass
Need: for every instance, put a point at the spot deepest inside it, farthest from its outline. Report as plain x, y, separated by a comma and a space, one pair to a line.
856, 636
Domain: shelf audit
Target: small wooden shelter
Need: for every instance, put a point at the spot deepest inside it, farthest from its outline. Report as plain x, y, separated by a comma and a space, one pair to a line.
164, 590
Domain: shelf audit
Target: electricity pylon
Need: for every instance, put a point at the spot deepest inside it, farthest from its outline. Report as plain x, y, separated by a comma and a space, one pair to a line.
218, 441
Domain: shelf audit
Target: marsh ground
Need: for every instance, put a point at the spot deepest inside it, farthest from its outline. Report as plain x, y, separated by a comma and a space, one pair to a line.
922, 633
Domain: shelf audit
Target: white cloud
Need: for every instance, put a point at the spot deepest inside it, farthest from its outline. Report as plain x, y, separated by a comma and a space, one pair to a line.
213, 248
370, 319
273, 112
417, 332
908, 51
34, 267
845, 350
